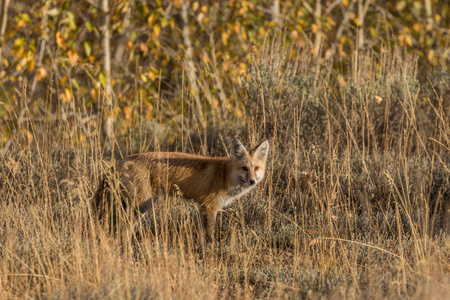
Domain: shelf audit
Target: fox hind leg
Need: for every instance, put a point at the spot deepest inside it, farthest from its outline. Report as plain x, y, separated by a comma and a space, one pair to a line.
147, 206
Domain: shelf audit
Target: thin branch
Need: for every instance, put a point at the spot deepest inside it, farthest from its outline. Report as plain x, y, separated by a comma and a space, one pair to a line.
3, 19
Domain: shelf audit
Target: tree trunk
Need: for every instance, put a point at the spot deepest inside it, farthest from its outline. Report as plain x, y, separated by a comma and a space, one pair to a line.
362, 11
121, 45
190, 66
318, 22
108, 129
276, 12
360, 25
429, 13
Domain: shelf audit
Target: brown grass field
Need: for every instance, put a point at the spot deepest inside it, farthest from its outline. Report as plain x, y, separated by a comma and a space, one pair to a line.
373, 222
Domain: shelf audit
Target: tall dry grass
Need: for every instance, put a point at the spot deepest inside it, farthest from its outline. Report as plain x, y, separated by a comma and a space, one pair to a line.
371, 223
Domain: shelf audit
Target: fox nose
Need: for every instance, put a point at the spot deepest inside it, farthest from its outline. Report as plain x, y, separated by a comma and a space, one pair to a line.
252, 182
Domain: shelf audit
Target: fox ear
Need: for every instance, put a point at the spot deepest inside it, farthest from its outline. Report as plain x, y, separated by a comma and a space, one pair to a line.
238, 150
262, 151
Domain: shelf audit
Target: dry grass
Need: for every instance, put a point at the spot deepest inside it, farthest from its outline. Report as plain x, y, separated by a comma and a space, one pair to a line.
370, 224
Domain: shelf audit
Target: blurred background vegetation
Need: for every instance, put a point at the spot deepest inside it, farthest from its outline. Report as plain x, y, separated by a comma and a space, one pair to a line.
169, 62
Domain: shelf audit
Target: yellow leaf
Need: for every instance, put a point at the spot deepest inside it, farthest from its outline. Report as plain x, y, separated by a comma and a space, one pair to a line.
127, 111
400, 5
68, 95
73, 57
115, 111
30, 65
437, 18
143, 47
417, 5
432, 58
21, 23
378, 99
237, 27
225, 37
177, 4
242, 68
151, 20
41, 73
408, 40
418, 27
205, 8
144, 78
94, 93
294, 34
21, 63
401, 40
345, 2
195, 6
156, 30
262, 31
238, 112
164, 22
18, 46
225, 66
331, 21
152, 74
60, 40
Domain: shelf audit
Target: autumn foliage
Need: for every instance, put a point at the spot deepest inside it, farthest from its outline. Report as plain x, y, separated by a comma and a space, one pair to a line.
53, 49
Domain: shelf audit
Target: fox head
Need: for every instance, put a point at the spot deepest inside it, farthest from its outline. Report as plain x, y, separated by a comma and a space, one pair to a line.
248, 166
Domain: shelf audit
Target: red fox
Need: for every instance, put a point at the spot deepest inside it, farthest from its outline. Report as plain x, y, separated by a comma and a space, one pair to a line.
213, 183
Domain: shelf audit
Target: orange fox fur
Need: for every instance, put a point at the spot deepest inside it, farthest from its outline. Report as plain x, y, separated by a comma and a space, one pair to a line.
213, 183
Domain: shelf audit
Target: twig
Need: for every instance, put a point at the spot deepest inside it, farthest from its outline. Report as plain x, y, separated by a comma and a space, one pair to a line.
369, 246
4, 17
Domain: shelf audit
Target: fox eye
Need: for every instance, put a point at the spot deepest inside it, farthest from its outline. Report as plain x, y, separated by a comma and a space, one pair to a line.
245, 168
256, 168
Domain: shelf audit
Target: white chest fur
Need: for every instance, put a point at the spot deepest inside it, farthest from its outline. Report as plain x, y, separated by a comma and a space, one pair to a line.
235, 193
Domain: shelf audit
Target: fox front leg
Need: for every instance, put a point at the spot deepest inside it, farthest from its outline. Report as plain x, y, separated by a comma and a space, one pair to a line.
209, 223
